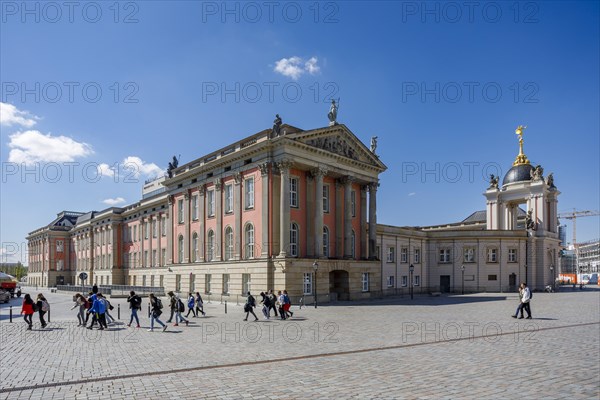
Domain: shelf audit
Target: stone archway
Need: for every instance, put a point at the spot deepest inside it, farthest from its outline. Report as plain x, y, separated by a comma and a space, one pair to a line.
339, 285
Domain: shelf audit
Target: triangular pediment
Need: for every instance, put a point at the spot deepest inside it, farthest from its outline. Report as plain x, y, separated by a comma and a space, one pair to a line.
339, 140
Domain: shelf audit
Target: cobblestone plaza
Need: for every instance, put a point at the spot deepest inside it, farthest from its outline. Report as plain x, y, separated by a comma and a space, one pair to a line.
429, 347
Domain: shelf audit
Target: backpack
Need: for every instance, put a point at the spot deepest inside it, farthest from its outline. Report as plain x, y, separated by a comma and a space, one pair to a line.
136, 302
191, 302
251, 301
180, 305
158, 303
45, 306
530, 294
34, 307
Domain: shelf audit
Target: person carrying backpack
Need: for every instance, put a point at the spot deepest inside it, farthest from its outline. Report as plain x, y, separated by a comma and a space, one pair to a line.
199, 304
156, 309
178, 306
135, 304
81, 303
190, 304
42, 307
249, 307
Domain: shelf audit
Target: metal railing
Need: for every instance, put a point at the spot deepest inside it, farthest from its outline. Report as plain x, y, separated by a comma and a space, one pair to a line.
114, 290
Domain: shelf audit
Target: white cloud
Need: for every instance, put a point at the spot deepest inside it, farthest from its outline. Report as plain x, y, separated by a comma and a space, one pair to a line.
412, 193
135, 166
114, 202
294, 67
106, 170
10, 115
33, 146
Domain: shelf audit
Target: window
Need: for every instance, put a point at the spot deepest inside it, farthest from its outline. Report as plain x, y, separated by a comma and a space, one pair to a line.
210, 245
307, 283
353, 203
225, 283
180, 211
492, 277
417, 256
163, 226
390, 281
59, 265
444, 255
353, 244
194, 207
228, 243
164, 258
195, 247
391, 256
180, 249
145, 264
249, 192
151, 280
294, 240
249, 252
325, 241
146, 229
246, 284
153, 228
469, 254
177, 284
154, 259
326, 198
492, 255
365, 282
210, 200
293, 192
512, 255
207, 279
404, 255
60, 246
228, 198
417, 280
135, 235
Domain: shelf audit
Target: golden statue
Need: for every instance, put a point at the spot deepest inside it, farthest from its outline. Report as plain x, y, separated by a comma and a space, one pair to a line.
521, 158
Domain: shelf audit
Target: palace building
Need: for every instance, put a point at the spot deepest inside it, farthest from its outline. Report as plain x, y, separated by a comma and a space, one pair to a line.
292, 209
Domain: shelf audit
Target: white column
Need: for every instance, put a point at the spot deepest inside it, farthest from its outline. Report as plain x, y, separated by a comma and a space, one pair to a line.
284, 220
347, 181
219, 214
318, 174
201, 219
265, 228
363, 221
373, 219
237, 212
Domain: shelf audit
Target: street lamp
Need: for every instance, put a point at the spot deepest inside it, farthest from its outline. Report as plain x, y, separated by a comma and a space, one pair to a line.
411, 269
552, 273
462, 269
316, 268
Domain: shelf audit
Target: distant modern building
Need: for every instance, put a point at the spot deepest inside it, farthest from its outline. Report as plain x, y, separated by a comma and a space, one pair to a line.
292, 209
589, 256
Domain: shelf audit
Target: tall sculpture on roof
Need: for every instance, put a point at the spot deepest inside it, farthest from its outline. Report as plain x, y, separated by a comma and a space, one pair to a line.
333, 113
172, 165
276, 126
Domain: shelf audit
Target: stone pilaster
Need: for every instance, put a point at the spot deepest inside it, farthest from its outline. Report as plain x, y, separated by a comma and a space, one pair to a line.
347, 182
218, 245
284, 219
265, 228
373, 219
318, 174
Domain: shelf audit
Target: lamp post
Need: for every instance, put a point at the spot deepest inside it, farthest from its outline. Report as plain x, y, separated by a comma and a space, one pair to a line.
411, 270
316, 268
552, 274
462, 269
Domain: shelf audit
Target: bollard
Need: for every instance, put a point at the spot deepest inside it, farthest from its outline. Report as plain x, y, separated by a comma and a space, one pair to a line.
225, 306
148, 310
118, 311
237, 299
11, 314
48, 315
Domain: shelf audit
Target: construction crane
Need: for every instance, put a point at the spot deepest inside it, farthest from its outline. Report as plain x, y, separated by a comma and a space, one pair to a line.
574, 215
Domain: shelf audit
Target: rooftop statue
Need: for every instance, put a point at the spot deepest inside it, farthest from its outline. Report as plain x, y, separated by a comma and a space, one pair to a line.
277, 125
333, 113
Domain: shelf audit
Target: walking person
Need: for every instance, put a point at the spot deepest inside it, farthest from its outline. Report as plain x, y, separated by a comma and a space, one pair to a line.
191, 304
249, 307
172, 306
90, 301
280, 303
109, 318
520, 306
135, 304
273, 299
80, 302
178, 307
199, 305
27, 309
156, 309
98, 309
266, 302
42, 307
287, 304
525, 295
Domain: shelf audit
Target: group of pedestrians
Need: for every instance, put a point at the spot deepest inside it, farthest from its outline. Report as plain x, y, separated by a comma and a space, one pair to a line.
280, 302
30, 307
524, 302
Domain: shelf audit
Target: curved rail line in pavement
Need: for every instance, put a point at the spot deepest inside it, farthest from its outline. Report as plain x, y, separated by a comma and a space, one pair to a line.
271, 361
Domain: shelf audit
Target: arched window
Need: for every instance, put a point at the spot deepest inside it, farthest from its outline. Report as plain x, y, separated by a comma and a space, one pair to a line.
353, 244
249, 235
195, 247
180, 249
294, 240
325, 241
210, 245
228, 243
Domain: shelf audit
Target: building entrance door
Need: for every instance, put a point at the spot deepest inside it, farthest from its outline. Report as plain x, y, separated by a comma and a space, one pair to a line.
512, 282
339, 283
444, 283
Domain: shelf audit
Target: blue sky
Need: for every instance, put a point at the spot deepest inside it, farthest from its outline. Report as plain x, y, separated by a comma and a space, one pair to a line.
442, 85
